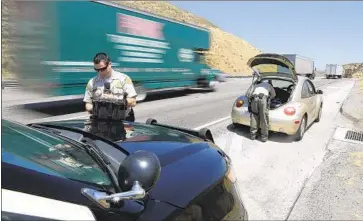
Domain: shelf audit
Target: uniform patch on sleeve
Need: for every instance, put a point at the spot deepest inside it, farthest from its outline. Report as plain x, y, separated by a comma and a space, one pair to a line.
128, 80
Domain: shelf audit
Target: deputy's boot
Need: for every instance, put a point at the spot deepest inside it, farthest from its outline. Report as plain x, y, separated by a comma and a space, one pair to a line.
264, 138
253, 136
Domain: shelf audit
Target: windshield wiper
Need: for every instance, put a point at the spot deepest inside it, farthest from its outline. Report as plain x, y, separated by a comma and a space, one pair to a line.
91, 145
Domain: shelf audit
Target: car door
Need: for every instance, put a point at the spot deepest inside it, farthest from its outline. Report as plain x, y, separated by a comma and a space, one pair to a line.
307, 100
315, 99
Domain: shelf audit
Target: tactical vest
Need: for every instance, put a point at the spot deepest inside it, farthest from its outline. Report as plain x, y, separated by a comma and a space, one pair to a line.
109, 104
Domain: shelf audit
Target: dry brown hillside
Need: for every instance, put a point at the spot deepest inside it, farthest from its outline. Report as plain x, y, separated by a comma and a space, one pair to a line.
352, 69
228, 53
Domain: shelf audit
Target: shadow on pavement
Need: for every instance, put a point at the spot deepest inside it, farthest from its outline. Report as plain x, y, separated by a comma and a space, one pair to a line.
244, 131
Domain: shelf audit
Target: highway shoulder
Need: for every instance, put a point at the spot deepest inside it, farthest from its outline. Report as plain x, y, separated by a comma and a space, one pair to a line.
334, 191
355, 99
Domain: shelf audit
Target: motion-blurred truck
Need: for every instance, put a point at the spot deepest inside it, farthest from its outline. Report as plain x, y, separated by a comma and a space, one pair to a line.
58, 39
304, 66
334, 71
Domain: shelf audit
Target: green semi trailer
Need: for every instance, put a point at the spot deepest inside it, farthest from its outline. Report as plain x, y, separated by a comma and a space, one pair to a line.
57, 40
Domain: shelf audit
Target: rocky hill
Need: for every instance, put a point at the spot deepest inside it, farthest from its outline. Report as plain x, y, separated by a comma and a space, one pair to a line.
353, 69
228, 53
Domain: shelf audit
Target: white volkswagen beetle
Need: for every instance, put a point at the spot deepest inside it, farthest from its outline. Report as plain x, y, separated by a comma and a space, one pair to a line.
297, 103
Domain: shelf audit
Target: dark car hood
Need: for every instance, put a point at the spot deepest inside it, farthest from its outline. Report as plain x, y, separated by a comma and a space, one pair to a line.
189, 164
187, 169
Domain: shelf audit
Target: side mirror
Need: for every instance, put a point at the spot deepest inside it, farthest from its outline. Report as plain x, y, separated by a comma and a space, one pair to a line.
319, 92
137, 174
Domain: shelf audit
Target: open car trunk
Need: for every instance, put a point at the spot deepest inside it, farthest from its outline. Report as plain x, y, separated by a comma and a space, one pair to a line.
283, 95
279, 71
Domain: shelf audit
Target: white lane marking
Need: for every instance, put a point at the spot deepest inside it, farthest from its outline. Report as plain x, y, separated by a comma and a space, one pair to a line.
32, 205
213, 122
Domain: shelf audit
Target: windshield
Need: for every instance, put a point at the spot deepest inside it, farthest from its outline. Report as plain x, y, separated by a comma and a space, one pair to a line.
32, 149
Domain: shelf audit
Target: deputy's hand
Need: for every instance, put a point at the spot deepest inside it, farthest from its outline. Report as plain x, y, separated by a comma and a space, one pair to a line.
89, 107
131, 102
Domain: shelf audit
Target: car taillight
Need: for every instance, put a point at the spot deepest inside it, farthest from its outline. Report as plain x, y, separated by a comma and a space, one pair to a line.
289, 111
239, 103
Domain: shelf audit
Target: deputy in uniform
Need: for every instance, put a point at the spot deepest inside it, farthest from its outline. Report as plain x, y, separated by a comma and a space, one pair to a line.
118, 83
260, 97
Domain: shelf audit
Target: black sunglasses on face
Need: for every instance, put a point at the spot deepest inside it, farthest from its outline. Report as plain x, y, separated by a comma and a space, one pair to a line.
101, 69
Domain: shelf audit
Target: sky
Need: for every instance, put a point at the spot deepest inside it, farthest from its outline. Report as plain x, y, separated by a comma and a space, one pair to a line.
330, 32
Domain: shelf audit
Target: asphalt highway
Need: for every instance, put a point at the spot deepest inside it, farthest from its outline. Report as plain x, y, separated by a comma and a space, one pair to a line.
270, 175
190, 109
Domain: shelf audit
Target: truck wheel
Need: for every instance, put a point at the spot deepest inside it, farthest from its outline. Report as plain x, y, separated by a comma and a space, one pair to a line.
141, 93
204, 83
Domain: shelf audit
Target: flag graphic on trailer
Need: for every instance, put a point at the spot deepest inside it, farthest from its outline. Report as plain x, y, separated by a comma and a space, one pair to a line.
138, 26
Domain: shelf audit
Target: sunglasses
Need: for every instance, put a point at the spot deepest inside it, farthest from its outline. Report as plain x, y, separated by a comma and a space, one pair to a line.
101, 69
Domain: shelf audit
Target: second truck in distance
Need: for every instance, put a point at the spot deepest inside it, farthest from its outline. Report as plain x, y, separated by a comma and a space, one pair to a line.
334, 71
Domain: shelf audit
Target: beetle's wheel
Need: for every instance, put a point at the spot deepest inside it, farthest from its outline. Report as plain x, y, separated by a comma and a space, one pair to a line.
301, 131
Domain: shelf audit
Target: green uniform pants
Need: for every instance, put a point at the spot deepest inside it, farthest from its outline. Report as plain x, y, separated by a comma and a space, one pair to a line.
260, 118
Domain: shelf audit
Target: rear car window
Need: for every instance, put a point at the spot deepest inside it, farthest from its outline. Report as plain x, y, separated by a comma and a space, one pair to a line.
305, 91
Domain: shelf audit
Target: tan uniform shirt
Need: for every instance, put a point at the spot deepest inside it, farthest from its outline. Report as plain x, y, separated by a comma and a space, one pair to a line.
264, 88
119, 84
